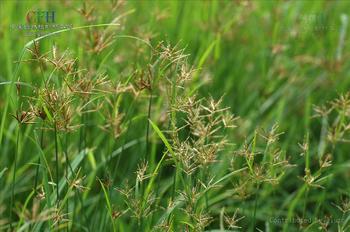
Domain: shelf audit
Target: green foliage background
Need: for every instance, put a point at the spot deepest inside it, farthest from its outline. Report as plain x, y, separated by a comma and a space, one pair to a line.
272, 61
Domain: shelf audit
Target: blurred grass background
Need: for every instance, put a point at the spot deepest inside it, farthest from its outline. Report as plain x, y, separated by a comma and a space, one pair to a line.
272, 60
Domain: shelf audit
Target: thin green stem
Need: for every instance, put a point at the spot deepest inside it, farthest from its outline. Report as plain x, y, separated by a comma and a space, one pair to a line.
255, 207
14, 174
38, 162
57, 173
70, 168
67, 164
204, 179
148, 118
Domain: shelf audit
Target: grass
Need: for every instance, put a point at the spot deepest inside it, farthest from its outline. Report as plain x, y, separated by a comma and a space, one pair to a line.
175, 116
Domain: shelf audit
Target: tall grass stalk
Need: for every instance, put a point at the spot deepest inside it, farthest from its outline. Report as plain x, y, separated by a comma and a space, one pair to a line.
68, 166
38, 162
255, 207
57, 164
148, 118
14, 172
